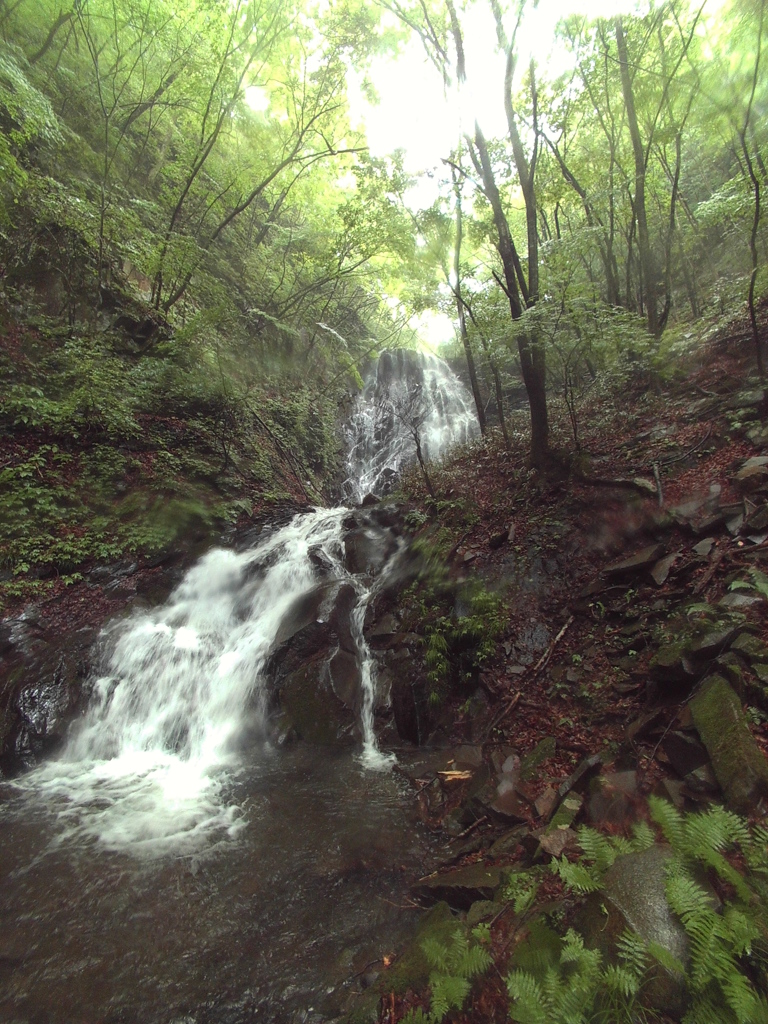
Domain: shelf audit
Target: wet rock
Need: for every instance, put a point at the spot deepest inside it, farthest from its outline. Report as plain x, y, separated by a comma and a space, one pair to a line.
737, 600
367, 549
545, 802
555, 843
344, 671
634, 896
643, 723
704, 547
468, 756
660, 571
671, 664
581, 776
460, 888
383, 628
507, 844
304, 612
410, 706
313, 709
753, 473
740, 767
684, 751
483, 910
712, 641
648, 556
340, 617
751, 648
410, 971
42, 688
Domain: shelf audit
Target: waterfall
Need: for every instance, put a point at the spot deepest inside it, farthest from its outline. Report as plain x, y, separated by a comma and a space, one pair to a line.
407, 392
184, 687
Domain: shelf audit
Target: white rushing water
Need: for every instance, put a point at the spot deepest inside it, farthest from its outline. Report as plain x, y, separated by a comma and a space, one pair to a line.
408, 393
147, 769
144, 769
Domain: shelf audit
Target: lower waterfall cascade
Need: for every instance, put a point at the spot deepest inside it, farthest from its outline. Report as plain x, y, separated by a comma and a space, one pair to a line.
172, 775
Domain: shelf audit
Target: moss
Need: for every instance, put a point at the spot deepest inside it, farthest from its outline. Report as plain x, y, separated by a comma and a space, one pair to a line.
543, 750
739, 766
411, 970
750, 647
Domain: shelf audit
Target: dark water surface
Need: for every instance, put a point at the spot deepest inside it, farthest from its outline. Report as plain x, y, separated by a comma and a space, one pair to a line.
270, 925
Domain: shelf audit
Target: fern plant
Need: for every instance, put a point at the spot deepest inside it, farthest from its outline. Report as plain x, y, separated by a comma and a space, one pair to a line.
454, 964
719, 940
580, 988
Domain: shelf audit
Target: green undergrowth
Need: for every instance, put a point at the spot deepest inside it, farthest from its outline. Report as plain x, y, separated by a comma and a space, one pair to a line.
108, 453
716, 886
460, 623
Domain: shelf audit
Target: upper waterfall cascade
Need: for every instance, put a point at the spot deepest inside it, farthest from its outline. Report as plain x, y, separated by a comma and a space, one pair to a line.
407, 393
179, 685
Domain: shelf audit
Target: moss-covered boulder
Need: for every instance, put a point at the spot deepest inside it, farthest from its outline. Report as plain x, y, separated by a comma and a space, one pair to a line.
738, 763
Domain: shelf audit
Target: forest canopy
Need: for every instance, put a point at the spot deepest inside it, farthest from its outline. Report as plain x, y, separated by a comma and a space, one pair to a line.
193, 223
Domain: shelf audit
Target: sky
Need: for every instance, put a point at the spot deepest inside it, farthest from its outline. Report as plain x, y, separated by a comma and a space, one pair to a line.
415, 115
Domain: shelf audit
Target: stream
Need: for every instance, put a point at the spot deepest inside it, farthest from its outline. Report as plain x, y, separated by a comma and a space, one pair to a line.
174, 864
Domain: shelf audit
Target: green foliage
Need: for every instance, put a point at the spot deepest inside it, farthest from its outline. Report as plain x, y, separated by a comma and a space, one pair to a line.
721, 940
758, 582
599, 852
464, 640
454, 965
580, 988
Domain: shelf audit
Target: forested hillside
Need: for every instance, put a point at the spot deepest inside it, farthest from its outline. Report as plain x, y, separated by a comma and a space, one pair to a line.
199, 253
300, 632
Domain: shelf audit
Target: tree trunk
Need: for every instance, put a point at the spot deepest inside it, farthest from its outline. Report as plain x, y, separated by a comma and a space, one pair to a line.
460, 311
532, 356
647, 263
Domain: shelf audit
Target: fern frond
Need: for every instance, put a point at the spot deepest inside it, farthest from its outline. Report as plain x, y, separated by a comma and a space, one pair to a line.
448, 993
417, 1016
704, 1011
632, 950
644, 837
669, 819
715, 829
596, 848
530, 1006
667, 960
620, 979
436, 953
579, 876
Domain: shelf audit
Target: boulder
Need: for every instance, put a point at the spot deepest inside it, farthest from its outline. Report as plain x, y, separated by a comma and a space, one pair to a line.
634, 896
460, 888
739, 765
313, 709
613, 798
644, 559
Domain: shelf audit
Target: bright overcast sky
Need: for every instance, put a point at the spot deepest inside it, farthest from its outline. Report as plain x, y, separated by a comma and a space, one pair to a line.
414, 114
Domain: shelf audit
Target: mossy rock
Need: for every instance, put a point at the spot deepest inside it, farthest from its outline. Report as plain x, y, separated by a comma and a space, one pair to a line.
750, 647
669, 663
738, 763
543, 750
